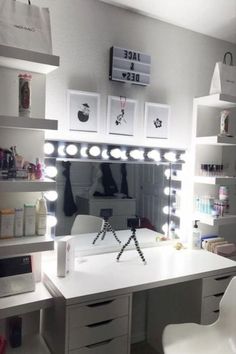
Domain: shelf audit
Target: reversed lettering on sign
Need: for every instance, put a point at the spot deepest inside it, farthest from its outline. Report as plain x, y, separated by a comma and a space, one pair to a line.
129, 54
129, 66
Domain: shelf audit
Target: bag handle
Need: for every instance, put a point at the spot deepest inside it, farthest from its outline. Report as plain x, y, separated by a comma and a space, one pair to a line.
231, 58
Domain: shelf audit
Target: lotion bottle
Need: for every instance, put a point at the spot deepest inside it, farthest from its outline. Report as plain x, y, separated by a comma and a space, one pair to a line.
196, 236
41, 216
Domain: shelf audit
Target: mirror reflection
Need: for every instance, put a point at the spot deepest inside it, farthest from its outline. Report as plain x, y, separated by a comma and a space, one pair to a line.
128, 190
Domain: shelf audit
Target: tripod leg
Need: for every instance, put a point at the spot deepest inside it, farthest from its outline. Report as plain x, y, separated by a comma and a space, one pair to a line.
123, 248
138, 248
97, 237
104, 230
109, 228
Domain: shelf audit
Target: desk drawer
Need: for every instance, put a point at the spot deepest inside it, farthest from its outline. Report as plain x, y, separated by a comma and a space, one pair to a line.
215, 285
98, 311
117, 345
98, 332
211, 303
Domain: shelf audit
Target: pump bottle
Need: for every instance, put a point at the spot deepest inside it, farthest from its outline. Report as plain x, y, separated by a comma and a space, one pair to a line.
41, 216
196, 236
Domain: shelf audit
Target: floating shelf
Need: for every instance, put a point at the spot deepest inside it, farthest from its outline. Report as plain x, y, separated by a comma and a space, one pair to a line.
25, 244
17, 58
17, 185
209, 220
27, 302
217, 100
216, 140
225, 181
28, 123
30, 344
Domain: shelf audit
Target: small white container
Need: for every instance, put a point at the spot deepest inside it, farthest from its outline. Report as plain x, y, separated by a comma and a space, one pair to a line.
65, 256
7, 223
19, 222
29, 219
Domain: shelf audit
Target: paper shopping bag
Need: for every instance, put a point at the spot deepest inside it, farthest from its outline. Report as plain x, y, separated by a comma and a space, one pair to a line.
25, 26
224, 77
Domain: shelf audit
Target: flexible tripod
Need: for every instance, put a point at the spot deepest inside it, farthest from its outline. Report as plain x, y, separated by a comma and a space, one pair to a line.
133, 236
106, 228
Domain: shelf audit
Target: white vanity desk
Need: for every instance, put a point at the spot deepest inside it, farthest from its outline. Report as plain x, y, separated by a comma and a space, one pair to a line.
92, 312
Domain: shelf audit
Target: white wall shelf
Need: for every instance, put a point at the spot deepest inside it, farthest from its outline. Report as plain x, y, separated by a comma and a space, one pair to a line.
221, 180
27, 123
217, 100
216, 140
27, 302
30, 344
25, 244
209, 220
17, 58
17, 185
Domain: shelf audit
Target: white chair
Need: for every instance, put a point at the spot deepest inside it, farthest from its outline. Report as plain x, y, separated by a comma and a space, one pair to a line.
84, 224
216, 338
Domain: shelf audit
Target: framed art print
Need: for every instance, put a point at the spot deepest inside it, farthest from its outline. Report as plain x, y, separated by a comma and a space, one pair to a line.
156, 120
121, 114
83, 110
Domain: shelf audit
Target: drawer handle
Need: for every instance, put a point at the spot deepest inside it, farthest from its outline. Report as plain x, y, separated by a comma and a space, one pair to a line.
223, 278
218, 295
99, 323
216, 311
99, 344
100, 303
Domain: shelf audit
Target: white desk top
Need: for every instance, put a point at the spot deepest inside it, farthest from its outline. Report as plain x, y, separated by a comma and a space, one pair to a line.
99, 276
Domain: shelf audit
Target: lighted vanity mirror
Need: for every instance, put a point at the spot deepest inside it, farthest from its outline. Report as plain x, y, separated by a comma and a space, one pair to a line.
143, 190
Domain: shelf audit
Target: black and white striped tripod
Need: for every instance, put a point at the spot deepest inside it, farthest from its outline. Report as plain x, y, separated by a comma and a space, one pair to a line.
133, 223
106, 213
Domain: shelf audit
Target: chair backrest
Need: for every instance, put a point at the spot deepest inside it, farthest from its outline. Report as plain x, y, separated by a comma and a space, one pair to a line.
84, 224
227, 315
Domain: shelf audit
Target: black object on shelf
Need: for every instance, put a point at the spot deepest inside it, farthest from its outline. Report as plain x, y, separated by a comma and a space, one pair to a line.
69, 206
106, 214
133, 223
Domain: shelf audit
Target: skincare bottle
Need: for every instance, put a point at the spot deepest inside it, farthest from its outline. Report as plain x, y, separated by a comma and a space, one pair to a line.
196, 237
29, 219
41, 216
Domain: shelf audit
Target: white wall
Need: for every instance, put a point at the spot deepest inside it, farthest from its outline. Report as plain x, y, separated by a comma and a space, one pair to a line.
182, 65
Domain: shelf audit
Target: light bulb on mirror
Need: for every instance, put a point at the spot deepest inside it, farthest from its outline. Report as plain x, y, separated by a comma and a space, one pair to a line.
48, 148
51, 196
154, 155
61, 150
170, 156
116, 153
51, 171
137, 154
95, 151
83, 151
71, 149
105, 155
51, 221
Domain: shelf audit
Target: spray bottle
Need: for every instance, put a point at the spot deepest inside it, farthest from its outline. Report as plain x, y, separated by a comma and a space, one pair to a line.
196, 237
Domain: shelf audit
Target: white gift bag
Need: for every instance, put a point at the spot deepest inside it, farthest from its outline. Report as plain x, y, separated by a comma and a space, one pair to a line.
25, 26
224, 77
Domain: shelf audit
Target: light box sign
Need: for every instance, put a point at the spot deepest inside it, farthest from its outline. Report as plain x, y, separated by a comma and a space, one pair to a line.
129, 66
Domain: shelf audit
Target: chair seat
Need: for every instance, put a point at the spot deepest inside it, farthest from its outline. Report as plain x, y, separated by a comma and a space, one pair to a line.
191, 338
